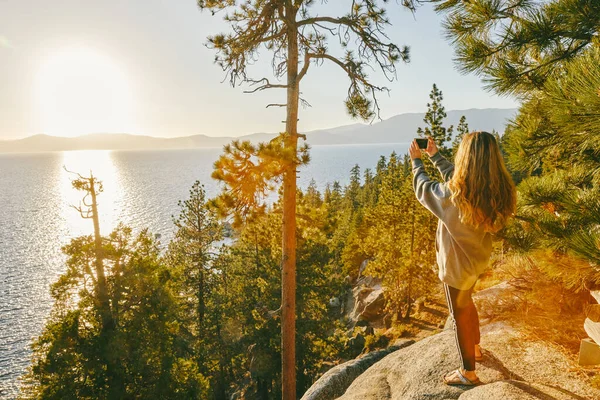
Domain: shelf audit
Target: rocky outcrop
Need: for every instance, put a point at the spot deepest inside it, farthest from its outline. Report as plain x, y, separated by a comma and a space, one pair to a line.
514, 367
518, 390
413, 373
416, 372
366, 301
355, 345
335, 381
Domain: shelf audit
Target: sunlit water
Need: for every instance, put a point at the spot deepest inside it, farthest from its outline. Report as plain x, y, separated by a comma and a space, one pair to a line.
141, 189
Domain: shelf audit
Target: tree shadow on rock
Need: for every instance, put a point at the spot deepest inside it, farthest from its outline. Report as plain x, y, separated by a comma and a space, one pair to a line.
434, 312
492, 362
538, 394
423, 325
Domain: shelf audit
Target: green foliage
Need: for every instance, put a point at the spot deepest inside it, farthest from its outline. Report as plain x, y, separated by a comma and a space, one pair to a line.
242, 343
555, 143
548, 53
352, 192
250, 172
434, 119
388, 230
191, 251
376, 341
146, 359
461, 130
191, 258
399, 240
516, 45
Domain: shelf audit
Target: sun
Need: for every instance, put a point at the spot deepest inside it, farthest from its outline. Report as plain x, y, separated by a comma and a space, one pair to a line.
79, 91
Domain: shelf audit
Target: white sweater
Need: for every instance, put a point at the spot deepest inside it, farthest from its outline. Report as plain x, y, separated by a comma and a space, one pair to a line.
463, 252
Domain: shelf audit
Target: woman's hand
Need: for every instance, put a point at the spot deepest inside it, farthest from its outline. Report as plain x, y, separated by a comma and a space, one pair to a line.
414, 151
431, 147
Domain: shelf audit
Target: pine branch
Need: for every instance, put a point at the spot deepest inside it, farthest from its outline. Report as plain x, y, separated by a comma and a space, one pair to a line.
516, 45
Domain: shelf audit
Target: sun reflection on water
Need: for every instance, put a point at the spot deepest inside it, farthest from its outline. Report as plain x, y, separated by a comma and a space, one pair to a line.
100, 163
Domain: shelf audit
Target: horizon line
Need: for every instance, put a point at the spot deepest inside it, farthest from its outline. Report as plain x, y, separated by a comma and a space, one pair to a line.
231, 136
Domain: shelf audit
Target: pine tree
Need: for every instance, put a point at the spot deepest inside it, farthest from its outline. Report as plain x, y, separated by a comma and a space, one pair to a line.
353, 189
461, 130
555, 141
191, 256
198, 230
434, 119
298, 40
379, 173
92, 187
517, 44
369, 190
244, 305
399, 240
381, 165
313, 196
141, 353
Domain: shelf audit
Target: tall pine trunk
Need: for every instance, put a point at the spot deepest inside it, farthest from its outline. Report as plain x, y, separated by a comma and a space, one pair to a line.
115, 384
288, 271
412, 265
101, 290
201, 301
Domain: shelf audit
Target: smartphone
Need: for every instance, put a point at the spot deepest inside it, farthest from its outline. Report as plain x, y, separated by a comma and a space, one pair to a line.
422, 143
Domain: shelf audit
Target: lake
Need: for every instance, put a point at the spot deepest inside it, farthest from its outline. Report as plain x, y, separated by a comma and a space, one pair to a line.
141, 189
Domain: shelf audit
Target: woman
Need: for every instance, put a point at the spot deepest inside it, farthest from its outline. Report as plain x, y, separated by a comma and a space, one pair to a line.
474, 201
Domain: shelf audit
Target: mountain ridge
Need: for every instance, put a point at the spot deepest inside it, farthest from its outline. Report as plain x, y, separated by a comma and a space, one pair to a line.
400, 128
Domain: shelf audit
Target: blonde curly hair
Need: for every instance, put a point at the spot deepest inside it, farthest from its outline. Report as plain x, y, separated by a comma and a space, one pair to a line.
482, 188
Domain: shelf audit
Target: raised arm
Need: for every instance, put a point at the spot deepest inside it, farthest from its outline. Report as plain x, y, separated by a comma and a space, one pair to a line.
431, 194
445, 167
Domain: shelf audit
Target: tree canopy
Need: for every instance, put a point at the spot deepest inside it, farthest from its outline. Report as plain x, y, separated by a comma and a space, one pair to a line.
359, 34
555, 144
516, 45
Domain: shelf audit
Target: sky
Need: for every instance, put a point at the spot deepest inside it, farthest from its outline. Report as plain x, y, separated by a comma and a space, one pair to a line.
72, 67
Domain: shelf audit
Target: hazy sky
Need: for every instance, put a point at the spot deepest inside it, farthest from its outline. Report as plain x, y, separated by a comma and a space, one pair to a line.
72, 67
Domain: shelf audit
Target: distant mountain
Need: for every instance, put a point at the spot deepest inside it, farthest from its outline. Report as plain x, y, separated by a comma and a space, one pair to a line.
402, 128
399, 129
